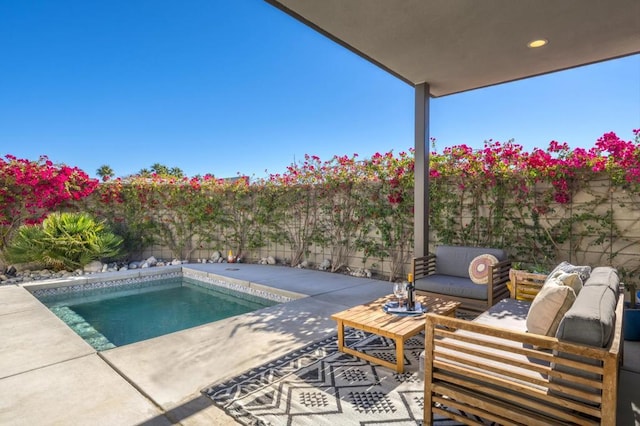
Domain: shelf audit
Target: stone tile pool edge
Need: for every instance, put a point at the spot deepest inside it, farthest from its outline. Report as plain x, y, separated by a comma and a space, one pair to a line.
133, 278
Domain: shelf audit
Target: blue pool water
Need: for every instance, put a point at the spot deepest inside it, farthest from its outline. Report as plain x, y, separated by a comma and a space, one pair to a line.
107, 319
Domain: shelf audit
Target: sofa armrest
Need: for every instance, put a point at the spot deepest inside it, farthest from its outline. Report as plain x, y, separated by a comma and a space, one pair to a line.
497, 284
423, 266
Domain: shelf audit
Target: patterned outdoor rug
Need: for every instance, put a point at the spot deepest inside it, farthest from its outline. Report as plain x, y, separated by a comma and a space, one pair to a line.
317, 385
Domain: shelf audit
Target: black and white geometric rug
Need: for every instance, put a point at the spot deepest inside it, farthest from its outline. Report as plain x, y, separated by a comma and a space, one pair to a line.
318, 385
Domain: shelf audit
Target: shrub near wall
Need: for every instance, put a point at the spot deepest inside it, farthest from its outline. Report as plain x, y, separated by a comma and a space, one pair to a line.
355, 213
389, 211
579, 205
181, 214
30, 190
342, 207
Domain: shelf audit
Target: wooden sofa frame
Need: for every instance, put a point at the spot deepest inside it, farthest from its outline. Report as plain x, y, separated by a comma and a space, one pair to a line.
509, 377
496, 286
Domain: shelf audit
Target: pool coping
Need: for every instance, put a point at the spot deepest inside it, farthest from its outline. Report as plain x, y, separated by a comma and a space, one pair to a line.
78, 284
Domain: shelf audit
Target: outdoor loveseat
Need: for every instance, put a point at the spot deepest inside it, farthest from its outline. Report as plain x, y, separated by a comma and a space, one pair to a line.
495, 368
446, 274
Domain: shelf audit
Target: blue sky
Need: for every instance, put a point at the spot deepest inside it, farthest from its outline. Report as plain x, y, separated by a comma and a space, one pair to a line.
228, 87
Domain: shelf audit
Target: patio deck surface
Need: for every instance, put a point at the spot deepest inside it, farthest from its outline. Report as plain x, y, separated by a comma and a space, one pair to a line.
49, 375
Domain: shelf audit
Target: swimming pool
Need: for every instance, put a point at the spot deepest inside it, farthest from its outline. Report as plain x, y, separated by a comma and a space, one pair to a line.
108, 316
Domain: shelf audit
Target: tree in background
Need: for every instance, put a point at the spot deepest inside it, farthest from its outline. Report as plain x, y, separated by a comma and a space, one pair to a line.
162, 171
105, 172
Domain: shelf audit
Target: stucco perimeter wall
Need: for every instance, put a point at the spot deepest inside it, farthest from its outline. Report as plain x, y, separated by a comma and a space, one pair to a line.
602, 221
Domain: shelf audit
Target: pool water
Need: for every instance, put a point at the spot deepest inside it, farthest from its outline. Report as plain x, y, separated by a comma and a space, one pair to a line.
127, 316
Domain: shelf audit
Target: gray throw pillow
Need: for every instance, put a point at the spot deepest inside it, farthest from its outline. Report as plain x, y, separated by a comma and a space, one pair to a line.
583, 271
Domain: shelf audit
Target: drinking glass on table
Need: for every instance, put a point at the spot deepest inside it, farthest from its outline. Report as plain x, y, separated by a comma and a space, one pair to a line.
400, 291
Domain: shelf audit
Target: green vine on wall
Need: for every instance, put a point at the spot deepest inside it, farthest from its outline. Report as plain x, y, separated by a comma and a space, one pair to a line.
541, 206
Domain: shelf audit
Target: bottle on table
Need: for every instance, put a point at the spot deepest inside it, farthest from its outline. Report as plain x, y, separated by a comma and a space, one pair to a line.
411, 303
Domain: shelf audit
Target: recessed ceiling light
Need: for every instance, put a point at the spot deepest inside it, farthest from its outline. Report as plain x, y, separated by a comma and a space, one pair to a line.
537, 43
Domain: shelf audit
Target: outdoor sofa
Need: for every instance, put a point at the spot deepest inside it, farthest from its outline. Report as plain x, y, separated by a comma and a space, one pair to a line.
494, 368
446, 274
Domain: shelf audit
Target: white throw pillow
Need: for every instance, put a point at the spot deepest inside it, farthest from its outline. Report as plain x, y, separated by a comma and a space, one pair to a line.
549, 306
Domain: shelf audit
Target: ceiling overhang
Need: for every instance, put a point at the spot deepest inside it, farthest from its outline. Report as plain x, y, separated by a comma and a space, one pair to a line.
460, 45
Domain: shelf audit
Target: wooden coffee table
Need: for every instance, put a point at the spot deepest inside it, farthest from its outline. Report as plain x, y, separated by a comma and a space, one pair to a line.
372, 318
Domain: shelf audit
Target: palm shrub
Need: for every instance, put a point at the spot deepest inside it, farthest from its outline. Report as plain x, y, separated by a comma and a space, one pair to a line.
64, 241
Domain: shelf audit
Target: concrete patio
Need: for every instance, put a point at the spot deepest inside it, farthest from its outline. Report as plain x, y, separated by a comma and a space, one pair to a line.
49, 375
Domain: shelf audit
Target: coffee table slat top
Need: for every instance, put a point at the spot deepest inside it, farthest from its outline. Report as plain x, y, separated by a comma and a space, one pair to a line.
371, 316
